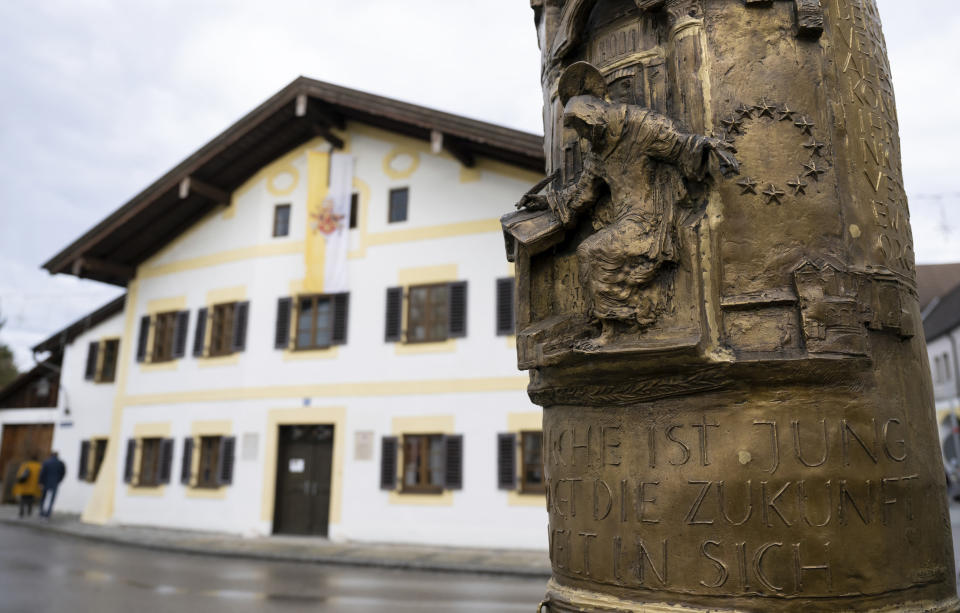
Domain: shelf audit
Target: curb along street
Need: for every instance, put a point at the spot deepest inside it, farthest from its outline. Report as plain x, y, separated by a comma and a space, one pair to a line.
518, 563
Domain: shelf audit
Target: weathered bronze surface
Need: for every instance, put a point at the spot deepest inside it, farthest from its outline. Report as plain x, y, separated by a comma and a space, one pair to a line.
717, 305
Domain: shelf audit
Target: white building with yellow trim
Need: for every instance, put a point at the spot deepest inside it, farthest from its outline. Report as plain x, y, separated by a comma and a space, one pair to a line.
252, 394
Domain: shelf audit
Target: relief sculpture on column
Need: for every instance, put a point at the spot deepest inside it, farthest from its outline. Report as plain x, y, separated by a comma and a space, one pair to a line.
716, 303
641, 180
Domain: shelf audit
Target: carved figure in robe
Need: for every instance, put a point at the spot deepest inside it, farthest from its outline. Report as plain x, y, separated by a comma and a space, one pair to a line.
645, 163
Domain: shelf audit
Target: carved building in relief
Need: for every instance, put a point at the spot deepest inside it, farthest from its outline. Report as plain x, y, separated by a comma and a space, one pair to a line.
761, 367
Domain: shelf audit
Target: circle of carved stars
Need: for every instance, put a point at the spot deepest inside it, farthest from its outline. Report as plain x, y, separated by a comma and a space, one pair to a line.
735, 125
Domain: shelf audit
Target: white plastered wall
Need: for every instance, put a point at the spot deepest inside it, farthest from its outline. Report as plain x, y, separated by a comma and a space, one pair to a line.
451, 230
85, 409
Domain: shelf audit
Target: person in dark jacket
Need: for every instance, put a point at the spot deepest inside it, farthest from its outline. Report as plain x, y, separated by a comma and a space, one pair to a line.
51, 474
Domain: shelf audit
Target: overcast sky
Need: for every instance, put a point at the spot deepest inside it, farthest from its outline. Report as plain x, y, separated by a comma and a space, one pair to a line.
101, 97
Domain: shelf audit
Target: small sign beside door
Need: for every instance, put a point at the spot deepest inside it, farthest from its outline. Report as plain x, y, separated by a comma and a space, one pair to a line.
296, 465
363, 445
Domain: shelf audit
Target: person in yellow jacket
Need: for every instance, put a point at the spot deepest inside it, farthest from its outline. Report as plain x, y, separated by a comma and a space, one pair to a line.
27, 486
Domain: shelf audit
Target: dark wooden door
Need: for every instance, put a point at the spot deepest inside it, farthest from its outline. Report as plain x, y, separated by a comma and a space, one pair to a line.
304, 463
23, 442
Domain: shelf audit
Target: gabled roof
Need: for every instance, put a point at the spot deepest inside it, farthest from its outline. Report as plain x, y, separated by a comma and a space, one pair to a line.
49, 368
302, 110
58, 340
935, 280
944, 316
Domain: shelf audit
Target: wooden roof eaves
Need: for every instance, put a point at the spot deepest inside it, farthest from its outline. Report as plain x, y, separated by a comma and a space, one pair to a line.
490, 140
55, 342
171, 179
25, 378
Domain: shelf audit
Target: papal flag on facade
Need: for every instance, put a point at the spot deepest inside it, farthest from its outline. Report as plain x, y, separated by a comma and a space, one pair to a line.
328, 223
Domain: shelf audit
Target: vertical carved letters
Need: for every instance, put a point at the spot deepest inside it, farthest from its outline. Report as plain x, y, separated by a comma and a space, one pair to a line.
573, 495
758, 566
722, 573
772, 503
684, 449
862, 509
617, 555
584, 446
571, 501
557, 500
643, 559
885, 500
886, 442
909, 499
561, 548
556, 448
702, 426
742, 566
599, 515
642, 501
723, 505
586, 536
775, 442
652, 446
610, 445
799, 568
623, 501
802, 503
847, 431
691, 518
799, 451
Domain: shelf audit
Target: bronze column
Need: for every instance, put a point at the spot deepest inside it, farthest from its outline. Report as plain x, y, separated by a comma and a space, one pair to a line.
717, 305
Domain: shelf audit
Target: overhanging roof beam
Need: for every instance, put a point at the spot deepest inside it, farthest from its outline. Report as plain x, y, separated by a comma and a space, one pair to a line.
460, 152
324, 114
105, 267
193, 185
323, 131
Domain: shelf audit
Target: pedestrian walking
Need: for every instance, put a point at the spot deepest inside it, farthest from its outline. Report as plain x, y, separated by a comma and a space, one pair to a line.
51, 474
27, 486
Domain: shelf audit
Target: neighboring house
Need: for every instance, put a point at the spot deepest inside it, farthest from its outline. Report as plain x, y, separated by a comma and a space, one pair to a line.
316, 336
90, 348
934, 281
939, 288
28, 411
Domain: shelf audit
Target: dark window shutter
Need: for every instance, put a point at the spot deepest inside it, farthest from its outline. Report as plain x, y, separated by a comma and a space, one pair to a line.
354, 207
200, 334
165, 466
457, 314
84, 459
186, 463
506, 316
142, 339
341, 307
180, 334
128, 462
282, 335
453, 466
228, 445
240, 325
90, 372
507, 461
394, 327
388, 463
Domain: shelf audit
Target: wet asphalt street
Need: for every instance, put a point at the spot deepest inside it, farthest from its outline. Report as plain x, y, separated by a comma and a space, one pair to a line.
42, 573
